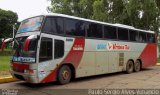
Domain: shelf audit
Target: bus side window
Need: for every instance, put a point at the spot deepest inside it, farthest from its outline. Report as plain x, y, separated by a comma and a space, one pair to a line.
150, 38
45, 49
94, 30
133, 35
49, 25
122, 34
74, 27
110, 32
142, 37
58, 49
53, 25
153, 38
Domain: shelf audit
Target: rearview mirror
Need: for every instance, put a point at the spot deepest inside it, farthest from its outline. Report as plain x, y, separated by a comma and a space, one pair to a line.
8, 40
28, 41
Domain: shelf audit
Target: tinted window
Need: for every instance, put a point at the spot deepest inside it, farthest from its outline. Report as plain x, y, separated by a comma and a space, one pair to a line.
150, 38
110, 32
59, 25
142, 37
58, 48
53, 25
33, 44
94, 30
133, 35
75, 27
122, 34
45, 49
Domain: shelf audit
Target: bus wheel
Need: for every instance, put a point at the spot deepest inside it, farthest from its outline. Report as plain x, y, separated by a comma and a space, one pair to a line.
64, 75
129, 67
137, 66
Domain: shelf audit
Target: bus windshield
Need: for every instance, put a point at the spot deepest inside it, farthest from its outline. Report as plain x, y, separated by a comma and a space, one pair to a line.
22, 56
31, 24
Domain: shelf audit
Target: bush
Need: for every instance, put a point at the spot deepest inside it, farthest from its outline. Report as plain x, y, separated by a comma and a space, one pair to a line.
6, 53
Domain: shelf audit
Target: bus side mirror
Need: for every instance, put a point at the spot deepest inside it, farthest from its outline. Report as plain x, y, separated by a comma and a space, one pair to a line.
28, 41
9, 40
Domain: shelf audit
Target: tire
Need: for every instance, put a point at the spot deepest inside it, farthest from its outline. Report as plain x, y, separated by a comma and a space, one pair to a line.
64, 75
129, 67
137, 66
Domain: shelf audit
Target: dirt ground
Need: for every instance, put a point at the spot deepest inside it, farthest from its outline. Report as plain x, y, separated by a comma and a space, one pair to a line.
148, 78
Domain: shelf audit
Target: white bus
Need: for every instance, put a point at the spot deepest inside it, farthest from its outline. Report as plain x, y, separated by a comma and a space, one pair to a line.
57, 47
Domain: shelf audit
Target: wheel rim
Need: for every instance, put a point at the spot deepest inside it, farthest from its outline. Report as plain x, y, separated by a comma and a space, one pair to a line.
130, 66
137, 66
65, 75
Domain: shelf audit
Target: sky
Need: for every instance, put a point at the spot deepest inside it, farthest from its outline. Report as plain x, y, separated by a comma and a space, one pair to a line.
25, 8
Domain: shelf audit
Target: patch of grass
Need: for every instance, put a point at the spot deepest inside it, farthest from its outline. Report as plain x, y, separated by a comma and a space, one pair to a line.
4, 63
7, 49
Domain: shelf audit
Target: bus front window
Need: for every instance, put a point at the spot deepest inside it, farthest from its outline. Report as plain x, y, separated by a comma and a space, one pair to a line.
23, 56
31, 24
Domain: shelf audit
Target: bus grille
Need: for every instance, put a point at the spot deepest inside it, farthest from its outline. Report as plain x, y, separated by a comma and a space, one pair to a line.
18, 70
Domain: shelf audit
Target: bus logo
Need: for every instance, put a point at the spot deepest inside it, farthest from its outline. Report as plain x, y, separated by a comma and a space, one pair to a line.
78, 48
101, 47
115, 46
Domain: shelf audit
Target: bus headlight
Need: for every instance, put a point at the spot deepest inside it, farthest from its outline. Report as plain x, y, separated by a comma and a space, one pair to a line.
30, 72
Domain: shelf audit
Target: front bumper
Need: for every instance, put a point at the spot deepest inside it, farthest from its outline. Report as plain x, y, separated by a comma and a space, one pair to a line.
25, 77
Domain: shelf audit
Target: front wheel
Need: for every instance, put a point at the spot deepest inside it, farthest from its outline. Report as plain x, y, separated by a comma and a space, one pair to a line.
137, 66
64, 75
129, 67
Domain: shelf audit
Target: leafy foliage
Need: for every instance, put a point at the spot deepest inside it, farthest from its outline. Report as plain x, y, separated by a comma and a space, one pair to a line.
7, 20
143, 14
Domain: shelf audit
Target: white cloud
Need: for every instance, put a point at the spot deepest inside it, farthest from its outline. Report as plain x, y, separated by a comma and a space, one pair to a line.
25, 8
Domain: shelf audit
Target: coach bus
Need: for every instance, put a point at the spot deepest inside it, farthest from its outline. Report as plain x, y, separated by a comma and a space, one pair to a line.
57, 47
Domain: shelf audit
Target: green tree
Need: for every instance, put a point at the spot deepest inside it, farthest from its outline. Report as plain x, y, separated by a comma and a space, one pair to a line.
133, 9
150, 14
158, 3
86, 7
158, 18
117, 11
7, 20
80, 8
100, 11
143, 14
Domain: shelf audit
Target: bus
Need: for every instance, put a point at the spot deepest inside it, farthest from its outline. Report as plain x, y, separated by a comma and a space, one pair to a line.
58, 47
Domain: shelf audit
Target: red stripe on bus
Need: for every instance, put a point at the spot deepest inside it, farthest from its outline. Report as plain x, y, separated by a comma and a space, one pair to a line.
76, 53
148, 56
74, 56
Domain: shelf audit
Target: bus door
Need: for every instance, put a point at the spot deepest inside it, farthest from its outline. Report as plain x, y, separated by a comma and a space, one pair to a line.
51, 54
45, 64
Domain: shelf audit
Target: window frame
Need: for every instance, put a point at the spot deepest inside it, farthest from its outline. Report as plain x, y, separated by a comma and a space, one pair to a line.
40, 50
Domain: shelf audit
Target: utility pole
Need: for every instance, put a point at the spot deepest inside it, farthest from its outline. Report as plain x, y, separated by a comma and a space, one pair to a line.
13, 33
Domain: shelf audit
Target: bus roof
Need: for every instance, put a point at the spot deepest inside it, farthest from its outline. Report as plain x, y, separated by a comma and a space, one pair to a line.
94, 21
